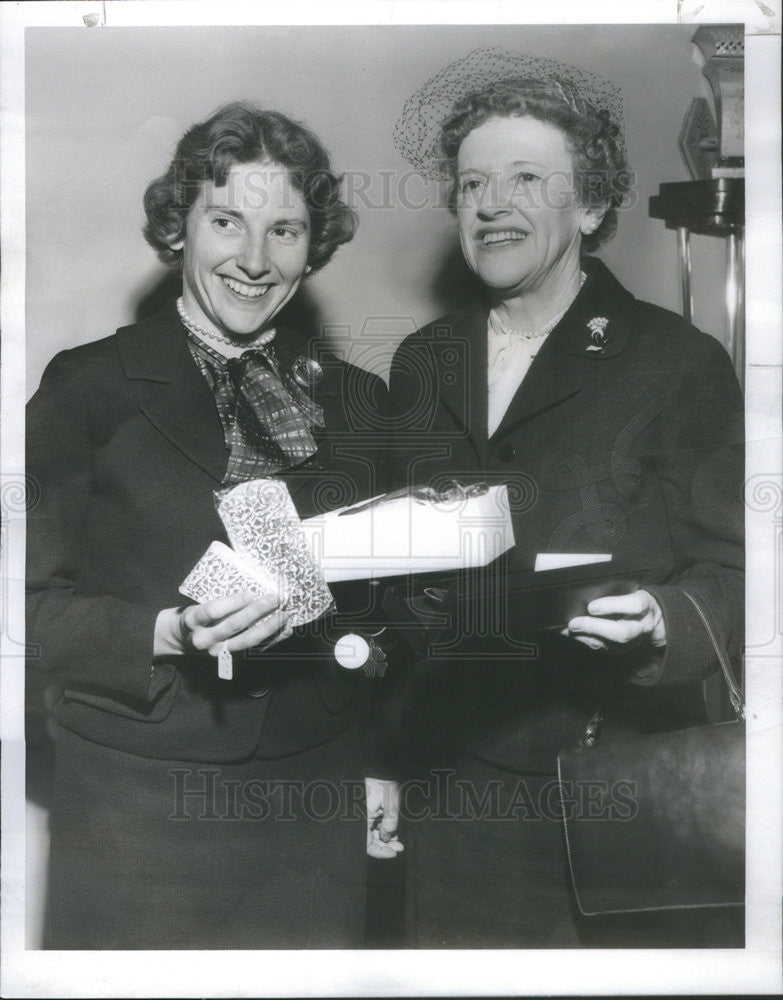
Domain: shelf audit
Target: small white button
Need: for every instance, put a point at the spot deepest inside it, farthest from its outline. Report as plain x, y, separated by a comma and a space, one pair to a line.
351, 651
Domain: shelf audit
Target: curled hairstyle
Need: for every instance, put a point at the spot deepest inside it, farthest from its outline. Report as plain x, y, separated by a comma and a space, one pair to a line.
601, 174
241, 132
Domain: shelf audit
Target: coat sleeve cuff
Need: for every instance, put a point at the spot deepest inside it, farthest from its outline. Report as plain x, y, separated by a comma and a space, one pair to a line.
689, 655
144, 677
127, 666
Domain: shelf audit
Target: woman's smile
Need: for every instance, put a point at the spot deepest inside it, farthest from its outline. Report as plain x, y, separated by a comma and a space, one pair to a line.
245, 291
502, 237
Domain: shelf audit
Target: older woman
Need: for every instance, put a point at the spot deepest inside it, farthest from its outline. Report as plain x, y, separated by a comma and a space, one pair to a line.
618, 428
191, 811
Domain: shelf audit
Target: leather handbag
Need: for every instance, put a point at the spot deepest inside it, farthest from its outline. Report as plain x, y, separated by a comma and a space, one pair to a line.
657, 822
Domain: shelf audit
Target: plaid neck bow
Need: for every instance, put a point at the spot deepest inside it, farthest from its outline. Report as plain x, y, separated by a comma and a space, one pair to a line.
266, 418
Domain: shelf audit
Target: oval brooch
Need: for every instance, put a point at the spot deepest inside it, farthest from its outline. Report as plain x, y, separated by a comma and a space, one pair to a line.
307, 373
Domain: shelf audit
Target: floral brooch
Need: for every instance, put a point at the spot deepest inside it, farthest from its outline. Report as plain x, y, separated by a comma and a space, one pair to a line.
597, 327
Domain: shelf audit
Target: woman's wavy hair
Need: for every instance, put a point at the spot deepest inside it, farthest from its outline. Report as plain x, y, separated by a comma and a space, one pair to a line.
242, 132
602, 175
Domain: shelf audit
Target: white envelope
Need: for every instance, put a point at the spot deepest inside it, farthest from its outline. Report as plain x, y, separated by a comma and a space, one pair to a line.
408, 535
560, 560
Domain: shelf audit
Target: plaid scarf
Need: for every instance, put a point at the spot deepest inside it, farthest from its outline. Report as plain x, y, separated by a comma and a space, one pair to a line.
266, 419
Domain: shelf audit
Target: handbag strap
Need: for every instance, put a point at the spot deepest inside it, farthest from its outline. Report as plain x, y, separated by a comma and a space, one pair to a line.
735, 692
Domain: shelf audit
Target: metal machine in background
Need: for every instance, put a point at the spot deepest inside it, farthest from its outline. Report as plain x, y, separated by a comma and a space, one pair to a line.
713, 203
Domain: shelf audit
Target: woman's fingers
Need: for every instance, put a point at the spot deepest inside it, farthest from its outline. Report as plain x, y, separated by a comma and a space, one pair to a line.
376, 848
638, 603
591, 642
383, 810
272, 628
256, 619
622, 630
217, 610
620, 622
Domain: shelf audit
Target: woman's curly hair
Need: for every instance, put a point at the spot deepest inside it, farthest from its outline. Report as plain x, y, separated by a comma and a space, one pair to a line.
602, 176
242, 132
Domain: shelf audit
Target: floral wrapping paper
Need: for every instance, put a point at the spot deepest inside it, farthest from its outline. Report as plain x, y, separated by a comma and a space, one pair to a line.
221, 572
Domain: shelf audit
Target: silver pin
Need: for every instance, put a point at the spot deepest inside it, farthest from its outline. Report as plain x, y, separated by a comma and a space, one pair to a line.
307, 373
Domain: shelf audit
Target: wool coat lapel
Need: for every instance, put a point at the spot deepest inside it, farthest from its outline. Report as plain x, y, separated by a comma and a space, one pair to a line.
459, 348
171, 392
565, 360
552, 378
462, 367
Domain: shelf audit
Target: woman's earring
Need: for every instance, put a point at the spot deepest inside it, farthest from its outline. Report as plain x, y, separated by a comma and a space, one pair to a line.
308, 269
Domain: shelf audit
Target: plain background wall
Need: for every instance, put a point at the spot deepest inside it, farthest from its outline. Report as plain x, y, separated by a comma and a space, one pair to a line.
105, 107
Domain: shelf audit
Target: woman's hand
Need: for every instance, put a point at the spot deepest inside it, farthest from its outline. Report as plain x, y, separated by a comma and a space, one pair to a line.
383, 813
620, 623
238, 621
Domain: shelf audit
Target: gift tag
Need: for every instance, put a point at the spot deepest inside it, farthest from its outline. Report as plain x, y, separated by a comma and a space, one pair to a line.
225, 664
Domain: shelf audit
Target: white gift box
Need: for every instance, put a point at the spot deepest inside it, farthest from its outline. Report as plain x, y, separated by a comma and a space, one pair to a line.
409, 534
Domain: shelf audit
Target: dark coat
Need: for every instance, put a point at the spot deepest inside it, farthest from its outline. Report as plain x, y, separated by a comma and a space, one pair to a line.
635, 449
125, 450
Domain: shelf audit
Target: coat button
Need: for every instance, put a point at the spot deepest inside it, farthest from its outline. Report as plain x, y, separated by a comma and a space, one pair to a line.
507, 452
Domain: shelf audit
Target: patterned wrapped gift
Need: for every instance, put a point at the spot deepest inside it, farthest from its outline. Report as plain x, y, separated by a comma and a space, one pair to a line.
270, 553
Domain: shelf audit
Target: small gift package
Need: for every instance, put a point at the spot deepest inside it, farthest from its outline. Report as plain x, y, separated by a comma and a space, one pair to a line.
270, 554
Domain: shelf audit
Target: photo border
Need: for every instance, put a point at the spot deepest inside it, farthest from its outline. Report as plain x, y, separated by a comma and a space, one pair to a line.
754, 969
